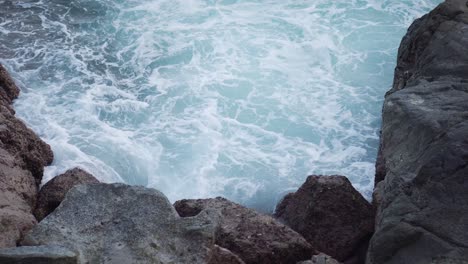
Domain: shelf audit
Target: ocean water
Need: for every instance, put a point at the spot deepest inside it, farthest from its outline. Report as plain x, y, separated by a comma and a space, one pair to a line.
203, 98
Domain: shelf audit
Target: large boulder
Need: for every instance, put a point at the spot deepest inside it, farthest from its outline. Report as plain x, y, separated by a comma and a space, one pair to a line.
53, 192
23, 156
330, 214
421, 192
117, 223
254, 237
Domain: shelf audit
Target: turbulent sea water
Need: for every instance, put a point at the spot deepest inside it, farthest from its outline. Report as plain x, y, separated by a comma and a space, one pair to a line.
200, 98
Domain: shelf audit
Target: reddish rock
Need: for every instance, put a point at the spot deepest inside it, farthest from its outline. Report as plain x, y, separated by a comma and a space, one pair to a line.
330, 214
23, 156
53, 192
254, 237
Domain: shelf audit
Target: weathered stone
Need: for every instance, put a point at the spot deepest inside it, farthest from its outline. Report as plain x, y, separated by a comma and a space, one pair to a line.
254, 237
330, 214
37, 255
320, 259
116, 223
23, 156
422, 214
53, 192
221, 255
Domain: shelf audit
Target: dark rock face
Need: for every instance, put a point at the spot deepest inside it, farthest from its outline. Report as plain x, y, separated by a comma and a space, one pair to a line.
23, 156
422, 214
37, 255
330, 214
117, 223
53, 192
254, 237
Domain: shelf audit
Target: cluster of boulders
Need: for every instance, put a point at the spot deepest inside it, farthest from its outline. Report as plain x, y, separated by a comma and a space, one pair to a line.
419, 211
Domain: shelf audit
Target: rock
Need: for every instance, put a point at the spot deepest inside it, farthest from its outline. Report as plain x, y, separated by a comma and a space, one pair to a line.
23, 156
320, 259
117, 223
8, 89
53, 192
254, 237
37, 255
422, 209
221, 255
330, 214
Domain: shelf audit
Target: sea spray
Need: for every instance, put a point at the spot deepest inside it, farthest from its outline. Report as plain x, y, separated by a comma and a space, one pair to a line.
241, 99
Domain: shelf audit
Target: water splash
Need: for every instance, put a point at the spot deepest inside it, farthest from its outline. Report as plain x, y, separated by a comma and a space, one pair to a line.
199, 98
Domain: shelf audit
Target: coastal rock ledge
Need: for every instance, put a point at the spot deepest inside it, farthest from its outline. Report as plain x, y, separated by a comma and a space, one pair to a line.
421, 190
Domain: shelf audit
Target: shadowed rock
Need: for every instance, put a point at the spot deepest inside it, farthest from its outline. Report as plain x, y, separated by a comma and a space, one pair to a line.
53, 192
116, 223
330, 214
421, 192
254, 237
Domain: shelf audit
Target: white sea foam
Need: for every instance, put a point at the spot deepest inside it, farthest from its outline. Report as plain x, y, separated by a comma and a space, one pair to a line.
202, 98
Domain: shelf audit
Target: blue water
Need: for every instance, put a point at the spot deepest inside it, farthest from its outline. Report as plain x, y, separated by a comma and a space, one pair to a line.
200, 98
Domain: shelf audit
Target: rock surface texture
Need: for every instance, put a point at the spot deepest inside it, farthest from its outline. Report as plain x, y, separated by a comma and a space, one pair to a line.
422, 181
117, 223
53, 192
330, 214
23, 156
37, 255
254, 237
320, 259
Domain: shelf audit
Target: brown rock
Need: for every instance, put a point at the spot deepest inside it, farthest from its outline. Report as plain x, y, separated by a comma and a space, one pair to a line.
23, 156
53, 192
330, 214
221, 255
254, 237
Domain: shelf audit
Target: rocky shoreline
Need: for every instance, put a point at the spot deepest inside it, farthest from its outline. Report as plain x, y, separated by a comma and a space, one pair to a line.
419, 212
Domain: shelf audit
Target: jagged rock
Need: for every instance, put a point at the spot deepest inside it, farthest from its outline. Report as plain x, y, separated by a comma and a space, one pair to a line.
254, 237
330, 214
37, 255
117, 223
422, 213
221, 255
320, 259
53, 192
8, 89
23, 156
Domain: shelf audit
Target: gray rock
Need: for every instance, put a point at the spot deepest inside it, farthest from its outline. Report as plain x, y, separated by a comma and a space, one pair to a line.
331, 215
320, 259
117, 223
254, 237
37, 255
422, 208
53, 192
23, 156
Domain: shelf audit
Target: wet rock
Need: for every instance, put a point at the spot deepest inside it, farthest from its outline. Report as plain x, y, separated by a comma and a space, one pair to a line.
117, 223
23, 156
37, 255
422, 213
330, 214
53, 192
254, 237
